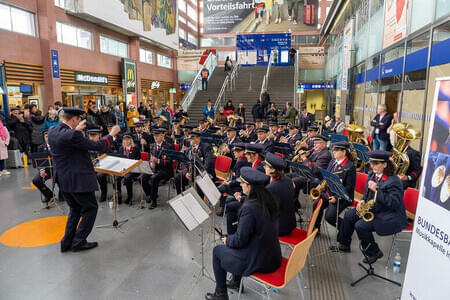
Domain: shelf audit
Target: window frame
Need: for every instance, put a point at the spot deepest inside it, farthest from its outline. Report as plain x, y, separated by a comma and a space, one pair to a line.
146, 51
77, 32
164, 66
31, 15
116, 40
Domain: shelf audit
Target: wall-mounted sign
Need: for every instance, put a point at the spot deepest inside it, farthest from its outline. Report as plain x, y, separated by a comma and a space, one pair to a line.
91, 78
129, 75
316, 86
255, 49
172, 91
185, 86
155, 85
55, 63
395, 18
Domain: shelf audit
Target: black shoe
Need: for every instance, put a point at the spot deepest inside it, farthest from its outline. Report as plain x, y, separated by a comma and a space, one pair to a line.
85, 246
129, 200
65, 249
152, 205
340, 248
219, 213
234, 283
372, 259
219, 294
119, 200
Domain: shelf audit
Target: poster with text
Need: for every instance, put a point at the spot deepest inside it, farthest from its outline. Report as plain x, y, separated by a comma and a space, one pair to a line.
395, 17
226, 16
429, 257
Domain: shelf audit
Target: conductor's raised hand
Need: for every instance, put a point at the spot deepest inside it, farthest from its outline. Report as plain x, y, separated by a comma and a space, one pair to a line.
114, 130
81, 126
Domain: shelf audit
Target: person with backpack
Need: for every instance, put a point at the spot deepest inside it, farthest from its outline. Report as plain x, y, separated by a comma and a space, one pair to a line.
205, 75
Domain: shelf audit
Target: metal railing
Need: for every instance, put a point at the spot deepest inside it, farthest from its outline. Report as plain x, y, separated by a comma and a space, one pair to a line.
295, 81
265, 82
210, 64
229, 83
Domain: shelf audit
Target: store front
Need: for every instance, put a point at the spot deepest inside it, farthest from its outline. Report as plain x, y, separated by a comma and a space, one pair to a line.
158, 92
24, 84
79, 87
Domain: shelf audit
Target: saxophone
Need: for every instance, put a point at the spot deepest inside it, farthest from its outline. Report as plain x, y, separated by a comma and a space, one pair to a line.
315, 192
365, 208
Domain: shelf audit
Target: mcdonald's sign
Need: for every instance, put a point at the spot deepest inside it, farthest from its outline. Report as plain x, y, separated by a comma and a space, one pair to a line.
129, 75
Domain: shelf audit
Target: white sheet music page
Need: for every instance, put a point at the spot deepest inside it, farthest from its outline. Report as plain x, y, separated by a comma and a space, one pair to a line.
195, 208
183, 213
209, 189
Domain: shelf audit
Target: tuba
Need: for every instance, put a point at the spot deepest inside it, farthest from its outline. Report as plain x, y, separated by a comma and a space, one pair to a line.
356, 134
183, 120
405, 133
315, 192
220, 150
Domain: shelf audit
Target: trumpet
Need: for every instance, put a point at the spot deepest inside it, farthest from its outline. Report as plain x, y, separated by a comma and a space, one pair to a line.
315, 192
365, 207
298, 156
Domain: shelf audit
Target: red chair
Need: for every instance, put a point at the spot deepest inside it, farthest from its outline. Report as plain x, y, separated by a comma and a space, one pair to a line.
370, 139
346, 133
222, 167
360, 186
283, 275
298, 235
410, 199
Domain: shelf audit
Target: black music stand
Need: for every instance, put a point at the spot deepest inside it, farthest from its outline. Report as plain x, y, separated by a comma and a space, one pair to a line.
370, 271
283, 148
362, 152
338, 138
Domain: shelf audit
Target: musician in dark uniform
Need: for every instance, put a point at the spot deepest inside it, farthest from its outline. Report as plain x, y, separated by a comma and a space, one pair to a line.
255, 246
141, 138
342, 166
263, 139
185, 140
389, 211
94, 135
161, 166
414, 169
319, 159
44, 174
203, 152
130, 151
249, 134
274, 135
293, 136
306, 118
308, 144
230, 140
253, 153
282, 189
75, 175
233, 186
283, 128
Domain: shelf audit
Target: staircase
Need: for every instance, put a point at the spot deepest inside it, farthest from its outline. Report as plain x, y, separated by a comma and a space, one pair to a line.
281, 85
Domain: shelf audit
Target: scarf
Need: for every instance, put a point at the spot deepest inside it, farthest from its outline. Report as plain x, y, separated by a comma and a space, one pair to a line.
3, 132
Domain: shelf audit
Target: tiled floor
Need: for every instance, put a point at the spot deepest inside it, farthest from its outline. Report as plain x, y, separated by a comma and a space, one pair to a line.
154, 257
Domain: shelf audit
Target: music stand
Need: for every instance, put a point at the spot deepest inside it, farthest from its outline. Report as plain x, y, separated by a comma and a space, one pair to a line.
284, 148
370, 271
362, 152
143, 168
338, 138
115, 166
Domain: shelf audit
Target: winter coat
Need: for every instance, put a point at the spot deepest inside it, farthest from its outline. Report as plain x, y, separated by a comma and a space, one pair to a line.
37, 122
4, 147
22, 130
49, 123
93, 120
257, 111
119, 117
290, 115
130, 116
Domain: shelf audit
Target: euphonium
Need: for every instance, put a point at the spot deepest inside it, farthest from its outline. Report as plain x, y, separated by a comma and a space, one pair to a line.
405, 133
315, 192
365, 207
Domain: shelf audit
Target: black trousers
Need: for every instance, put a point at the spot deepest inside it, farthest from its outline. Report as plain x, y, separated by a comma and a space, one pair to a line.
352, 222
204, 84
102, 181
39, 182
230, 190
150, 183
82, 206
226, 260
128, 182
330, 214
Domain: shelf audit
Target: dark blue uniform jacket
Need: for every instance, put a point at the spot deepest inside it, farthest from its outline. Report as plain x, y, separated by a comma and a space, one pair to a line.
283, 190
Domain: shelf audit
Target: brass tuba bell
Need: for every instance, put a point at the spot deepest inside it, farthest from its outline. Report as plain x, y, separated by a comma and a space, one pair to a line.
405, 133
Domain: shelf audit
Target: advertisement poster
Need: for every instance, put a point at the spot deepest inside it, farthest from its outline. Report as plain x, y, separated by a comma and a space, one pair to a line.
226, 16
311, 57
346, 53
395, 16
255, 49
429, 257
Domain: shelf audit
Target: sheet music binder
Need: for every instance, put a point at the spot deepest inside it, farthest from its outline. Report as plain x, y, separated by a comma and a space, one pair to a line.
208, 188
362, 152
190, 209
335, 185
116, 166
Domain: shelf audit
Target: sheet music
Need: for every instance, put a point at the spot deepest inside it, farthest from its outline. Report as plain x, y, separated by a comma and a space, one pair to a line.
190, 212
195, 208
143, 168
209, 189
115, 164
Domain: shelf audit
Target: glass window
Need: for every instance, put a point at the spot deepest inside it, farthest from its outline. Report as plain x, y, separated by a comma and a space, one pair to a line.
164, 61
182, 19
421, 14
192, 26
146, 56
17, 20
372, 74
113, 47
416, 62
192, 39
376, 23
442, 8
201, 18
181, 33
222, 41
192, 13
60, 3
5, 17
392, 68
182, 5
74, 36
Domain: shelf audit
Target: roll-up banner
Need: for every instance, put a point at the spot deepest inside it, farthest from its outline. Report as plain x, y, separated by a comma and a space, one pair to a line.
428, 269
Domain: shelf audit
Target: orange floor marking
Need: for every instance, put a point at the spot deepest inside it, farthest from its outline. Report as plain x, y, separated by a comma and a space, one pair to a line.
31, 187
35, 233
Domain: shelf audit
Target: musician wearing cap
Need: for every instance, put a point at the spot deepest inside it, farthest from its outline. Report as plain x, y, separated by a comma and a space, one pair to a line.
44, 173
381, 209
282, 189
161, 166
230, 140
274, 135
342, 166
203, 152
141, 138
128, 150
249, 134
185, 140
253, 153
75, 175
308, 144
263, 139
255, 246
293, 136
306, 118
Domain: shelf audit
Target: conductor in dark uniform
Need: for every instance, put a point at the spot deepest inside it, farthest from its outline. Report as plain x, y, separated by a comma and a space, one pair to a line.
342, 166
414, 169
255, 246
389, 211
282, 189
76, 177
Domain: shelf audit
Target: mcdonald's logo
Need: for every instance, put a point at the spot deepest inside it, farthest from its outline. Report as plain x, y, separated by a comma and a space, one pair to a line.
130, 75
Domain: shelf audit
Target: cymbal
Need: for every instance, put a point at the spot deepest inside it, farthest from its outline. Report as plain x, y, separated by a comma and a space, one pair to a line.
354, 128
406, 131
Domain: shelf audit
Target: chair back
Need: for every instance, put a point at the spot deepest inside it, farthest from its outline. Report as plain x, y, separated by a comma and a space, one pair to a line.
222, 166
410, 199
298, 256
313, 218
360, 185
